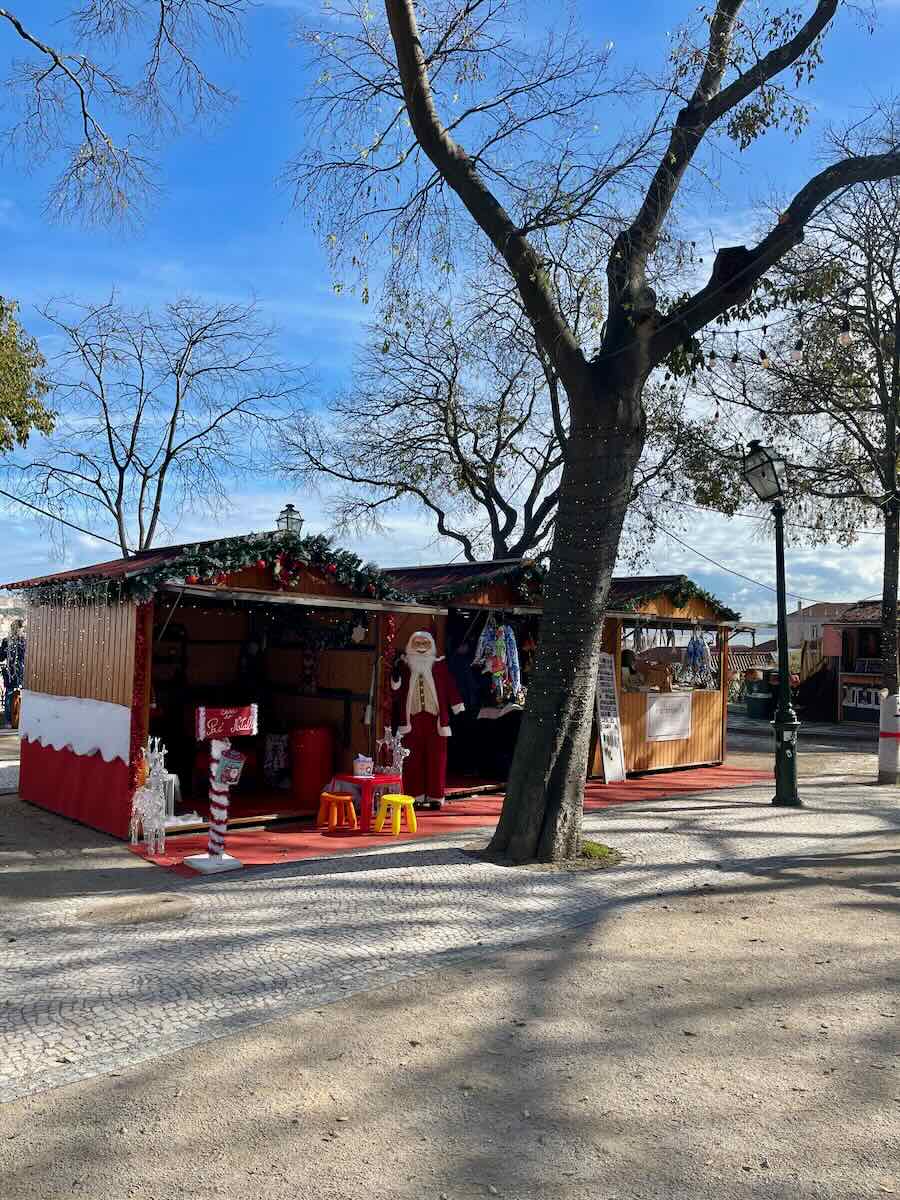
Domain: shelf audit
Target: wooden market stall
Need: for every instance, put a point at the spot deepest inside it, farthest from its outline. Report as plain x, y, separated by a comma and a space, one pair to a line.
130, 649
671, 714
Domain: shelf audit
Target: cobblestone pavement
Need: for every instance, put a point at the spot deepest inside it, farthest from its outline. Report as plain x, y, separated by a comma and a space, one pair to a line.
9, 760
89, 986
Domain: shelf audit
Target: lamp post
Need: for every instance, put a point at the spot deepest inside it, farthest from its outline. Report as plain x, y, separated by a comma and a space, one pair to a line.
289, 520
765, 472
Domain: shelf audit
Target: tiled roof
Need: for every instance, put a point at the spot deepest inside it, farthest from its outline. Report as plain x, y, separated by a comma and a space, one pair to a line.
821, 609
864, 612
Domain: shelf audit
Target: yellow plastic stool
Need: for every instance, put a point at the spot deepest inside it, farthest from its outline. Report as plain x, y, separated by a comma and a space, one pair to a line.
397, 804
336, 811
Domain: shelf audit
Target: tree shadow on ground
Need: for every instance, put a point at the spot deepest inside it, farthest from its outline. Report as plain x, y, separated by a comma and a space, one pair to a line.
735, 1039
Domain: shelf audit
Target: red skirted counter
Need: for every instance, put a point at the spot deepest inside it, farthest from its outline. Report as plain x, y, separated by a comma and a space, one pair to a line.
75, 759
81, 786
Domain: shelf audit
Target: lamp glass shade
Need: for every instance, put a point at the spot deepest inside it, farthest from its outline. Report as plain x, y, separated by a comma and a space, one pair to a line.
289, 520
764, 471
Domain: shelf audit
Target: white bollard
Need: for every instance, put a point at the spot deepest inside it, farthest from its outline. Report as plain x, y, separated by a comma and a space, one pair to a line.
889, 739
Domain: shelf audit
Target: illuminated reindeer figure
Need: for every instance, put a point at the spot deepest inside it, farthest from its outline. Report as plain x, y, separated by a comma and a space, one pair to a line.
392, 744
148, 808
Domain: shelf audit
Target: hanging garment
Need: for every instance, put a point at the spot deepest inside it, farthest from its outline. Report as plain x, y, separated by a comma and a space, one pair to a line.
487, 642
512, 662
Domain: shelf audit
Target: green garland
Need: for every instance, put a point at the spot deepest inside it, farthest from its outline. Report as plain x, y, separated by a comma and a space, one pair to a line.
531, 576
530, 579
210, 563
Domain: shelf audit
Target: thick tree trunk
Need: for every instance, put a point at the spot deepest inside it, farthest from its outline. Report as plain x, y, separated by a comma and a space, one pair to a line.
541, 817
889, 597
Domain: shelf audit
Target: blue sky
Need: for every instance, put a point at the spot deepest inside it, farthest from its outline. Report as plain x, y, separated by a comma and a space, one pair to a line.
223, 228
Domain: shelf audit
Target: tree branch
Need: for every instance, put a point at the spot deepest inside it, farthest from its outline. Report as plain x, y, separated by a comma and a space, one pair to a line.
460, 172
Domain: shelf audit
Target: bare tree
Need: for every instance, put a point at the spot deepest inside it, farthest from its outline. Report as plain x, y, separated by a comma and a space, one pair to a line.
429, 116
455, 409
161, 411
819, 378
67, 97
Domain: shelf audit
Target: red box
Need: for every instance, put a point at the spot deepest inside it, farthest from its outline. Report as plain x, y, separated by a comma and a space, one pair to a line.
312, 765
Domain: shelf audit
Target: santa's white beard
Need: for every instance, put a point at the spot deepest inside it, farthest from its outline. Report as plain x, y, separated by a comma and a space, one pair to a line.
421, 664
421, 667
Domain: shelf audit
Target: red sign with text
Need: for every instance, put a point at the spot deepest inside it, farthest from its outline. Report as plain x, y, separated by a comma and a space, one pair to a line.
226, 722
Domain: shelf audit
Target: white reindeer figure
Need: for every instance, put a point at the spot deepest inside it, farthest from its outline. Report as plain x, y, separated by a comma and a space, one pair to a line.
148, 808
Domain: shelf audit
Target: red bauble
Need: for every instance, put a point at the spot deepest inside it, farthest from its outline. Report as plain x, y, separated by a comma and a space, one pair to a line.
192, 579
261, 563
331, 568
221, 577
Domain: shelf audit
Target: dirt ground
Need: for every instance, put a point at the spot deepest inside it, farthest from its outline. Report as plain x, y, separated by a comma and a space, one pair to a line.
736, 1041
733, 1042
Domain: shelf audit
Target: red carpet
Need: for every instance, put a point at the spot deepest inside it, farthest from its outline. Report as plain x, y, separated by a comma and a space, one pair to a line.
289, 843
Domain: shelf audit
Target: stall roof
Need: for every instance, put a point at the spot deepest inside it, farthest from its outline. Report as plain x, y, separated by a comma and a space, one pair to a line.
448, 579
115, 568
445, 580
144, 572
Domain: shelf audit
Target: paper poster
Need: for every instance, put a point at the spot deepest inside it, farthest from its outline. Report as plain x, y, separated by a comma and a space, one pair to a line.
669, 716
609, 727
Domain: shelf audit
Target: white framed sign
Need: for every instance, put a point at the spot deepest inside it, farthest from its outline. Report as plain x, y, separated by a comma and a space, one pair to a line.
609, 726
669, 716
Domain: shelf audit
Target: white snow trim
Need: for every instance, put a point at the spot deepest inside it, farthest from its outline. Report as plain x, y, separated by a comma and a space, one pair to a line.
83, 726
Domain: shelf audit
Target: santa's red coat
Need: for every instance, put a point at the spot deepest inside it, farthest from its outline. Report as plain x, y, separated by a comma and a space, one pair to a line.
448, 697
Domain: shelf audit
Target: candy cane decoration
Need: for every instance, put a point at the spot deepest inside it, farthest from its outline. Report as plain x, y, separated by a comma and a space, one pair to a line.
218, 797
219, 725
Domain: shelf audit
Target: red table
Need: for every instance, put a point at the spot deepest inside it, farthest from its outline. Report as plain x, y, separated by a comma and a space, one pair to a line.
368, 785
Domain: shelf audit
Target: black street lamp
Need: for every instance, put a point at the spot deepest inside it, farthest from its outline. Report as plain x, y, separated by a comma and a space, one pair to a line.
765, 473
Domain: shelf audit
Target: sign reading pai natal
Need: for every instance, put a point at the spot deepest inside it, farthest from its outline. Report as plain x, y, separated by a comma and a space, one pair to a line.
221, 723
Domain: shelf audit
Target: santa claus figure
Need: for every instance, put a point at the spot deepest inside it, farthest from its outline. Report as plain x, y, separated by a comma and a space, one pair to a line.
427, 695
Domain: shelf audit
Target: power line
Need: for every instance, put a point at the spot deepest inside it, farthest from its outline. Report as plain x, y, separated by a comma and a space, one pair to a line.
53, 517
715, 562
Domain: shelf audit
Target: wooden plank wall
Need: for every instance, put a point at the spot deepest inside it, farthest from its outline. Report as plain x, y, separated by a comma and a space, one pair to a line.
703, 746
84, 650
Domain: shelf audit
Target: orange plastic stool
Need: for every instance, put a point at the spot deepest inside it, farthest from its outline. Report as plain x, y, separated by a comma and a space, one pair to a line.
336, 811
398, 805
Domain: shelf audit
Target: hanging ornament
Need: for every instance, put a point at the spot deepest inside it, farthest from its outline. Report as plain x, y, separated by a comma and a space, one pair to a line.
261, 564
